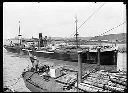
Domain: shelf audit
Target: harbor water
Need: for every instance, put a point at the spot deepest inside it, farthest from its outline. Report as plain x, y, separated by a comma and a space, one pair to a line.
13, 65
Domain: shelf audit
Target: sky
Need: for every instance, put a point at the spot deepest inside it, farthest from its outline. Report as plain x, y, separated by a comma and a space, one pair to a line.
57, 19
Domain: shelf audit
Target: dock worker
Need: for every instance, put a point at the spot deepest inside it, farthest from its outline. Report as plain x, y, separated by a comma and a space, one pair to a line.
36, 62
31, 57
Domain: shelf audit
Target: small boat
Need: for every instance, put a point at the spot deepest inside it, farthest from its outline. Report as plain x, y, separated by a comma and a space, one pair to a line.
54, 79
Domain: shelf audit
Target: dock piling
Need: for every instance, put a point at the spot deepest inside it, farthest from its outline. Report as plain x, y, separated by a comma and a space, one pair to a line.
79, 67
98, 62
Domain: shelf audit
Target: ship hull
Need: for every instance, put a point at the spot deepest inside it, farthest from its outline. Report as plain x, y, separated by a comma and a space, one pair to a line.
38, 84
12, 49
30, 86
107, 57
57, 55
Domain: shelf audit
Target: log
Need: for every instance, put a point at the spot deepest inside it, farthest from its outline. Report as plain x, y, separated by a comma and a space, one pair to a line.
90, 88
114, 89
118, 81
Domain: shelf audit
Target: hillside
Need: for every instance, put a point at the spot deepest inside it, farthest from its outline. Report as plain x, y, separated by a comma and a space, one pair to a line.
112, 37
121, 37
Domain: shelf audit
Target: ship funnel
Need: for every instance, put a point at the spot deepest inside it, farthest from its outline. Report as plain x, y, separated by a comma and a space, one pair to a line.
40, 38
40, 35
45, 41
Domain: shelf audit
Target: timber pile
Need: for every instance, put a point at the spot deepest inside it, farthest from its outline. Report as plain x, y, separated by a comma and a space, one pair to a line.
68, 78
103, 81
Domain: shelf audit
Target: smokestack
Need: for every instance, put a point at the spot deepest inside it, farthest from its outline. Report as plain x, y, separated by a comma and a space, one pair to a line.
40, 37
45, 41
79, 66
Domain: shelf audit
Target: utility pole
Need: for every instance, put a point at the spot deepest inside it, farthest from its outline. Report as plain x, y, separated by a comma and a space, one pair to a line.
76, 33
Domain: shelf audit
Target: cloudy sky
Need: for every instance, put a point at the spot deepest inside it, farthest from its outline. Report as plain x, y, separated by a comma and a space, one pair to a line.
57, 19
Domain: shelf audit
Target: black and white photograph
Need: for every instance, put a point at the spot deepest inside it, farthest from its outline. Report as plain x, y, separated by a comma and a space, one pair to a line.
64, 47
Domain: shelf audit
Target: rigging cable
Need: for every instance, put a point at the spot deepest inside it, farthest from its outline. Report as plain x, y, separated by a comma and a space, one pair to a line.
10, 86
107, 31
90, 16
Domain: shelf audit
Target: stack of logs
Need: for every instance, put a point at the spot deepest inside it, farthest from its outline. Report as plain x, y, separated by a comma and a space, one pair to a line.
103, 81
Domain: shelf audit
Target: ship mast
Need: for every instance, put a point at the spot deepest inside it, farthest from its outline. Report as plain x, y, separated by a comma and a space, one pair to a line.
76, 33
19, 34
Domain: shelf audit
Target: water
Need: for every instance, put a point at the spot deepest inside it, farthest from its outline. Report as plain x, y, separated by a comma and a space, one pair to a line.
13, 65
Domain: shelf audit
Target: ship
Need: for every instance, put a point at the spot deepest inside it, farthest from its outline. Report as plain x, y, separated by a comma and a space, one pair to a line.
69, 53
15, 47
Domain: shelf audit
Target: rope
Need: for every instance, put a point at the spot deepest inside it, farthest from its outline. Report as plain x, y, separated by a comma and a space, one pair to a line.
16, 79
88, 19
15, 82
107, 31
90, 16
